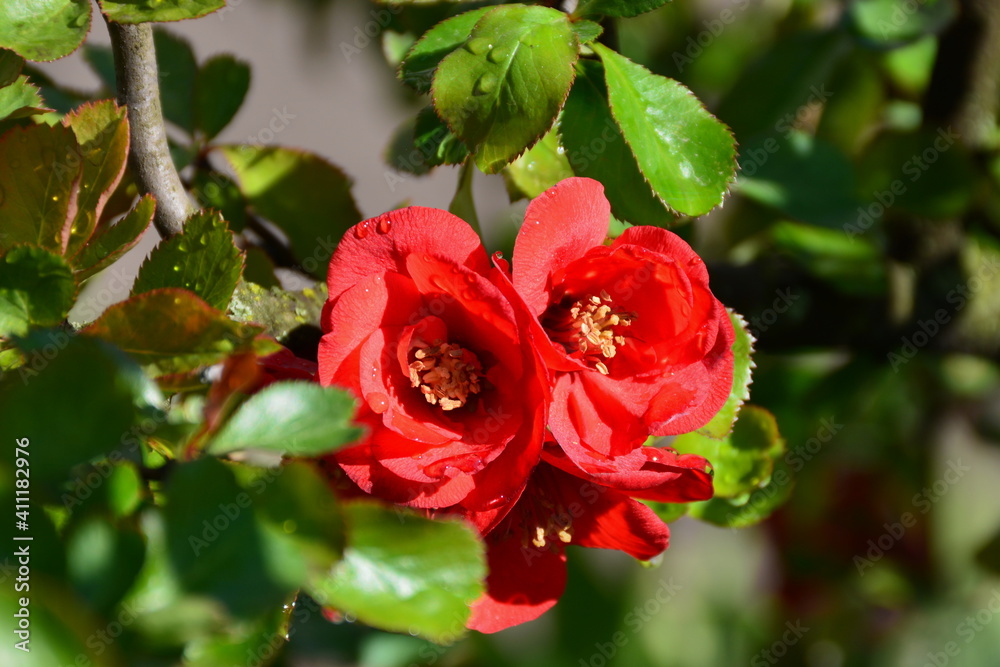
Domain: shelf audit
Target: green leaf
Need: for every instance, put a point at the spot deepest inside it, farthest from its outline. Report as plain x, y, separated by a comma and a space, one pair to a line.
293, 418
101, 130
309, 198
418, 67
75, 399
37, 204
43, 30
722, 423
501, 91
203, 259
587, 31
36, 288
220, 88
596, 148
218, 191
178, 73
891, 22
20, 99
750, 508
536, 171
11, 65
279, 311
685, 153
112, 241
617, 8
424, 142
803, 177
147, 11
393, 575
744, 459
172, 331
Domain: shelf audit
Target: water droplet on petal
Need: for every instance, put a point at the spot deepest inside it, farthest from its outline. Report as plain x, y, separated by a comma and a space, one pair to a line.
487, 83
361, 229
384, 225
478, 45
378, 402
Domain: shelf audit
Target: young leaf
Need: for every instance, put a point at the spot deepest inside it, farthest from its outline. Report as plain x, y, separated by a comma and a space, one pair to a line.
309, 198
685, 153
38, 203
596, 148
101, 130
617, 8
43, 30
418, 67
393, 575
203, 259
501, 91
172, 331
148, 11
722, 423
112, 241
293, 418
220, 87
743, 460
20, 99
750, 508
36, 288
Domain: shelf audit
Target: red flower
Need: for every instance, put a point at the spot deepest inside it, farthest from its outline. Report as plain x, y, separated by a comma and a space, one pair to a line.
563, 505
452, 392
637, 343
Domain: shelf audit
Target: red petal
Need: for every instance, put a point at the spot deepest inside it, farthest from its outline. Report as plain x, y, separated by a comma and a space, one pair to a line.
560, 225
382, 244
524, 583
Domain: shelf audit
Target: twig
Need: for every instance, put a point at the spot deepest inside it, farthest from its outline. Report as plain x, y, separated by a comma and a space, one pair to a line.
149, 155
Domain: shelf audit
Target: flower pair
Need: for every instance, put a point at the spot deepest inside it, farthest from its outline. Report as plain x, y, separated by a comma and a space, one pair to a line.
521, 400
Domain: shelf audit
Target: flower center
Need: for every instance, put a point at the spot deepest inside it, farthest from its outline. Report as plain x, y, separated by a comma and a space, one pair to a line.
591, 327
445, 373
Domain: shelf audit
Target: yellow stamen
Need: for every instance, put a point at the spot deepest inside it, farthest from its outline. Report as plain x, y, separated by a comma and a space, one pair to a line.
446, 374
590, 327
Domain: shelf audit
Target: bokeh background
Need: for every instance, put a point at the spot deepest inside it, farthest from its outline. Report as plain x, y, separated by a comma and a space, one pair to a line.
862, 244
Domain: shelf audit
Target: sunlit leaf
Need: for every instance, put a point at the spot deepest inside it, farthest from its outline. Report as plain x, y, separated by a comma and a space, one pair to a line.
617, 8
37, 204
292, 417
43, 29
393, 576
101, 130
722, 423
685, 153
538, 169
145, 11
172, 330
309, 198
501, 91
20, 99
203, 259
418, 67
112, 241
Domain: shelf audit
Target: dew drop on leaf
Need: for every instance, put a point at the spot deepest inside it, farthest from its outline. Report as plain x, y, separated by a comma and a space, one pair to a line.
499, 54
478, 45
177, 267
487, 83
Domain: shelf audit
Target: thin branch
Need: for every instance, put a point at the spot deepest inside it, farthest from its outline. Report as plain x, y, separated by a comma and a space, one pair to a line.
149, 154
